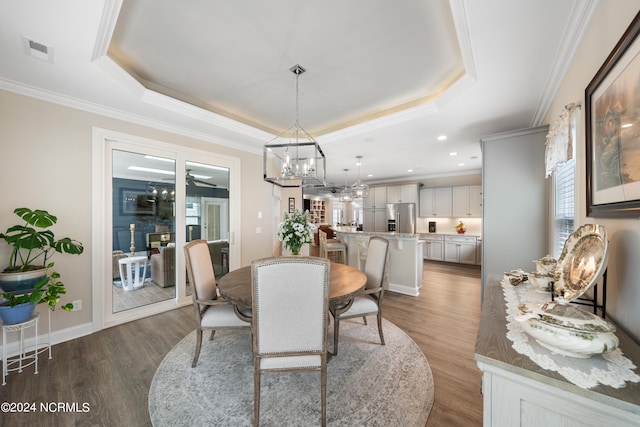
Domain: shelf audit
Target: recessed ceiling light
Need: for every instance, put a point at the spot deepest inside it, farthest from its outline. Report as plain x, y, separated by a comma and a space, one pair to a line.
453, 154
370, 175
442, 137
410, 170
460, 164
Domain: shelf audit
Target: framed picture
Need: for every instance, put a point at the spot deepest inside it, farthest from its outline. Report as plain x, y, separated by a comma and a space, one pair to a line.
613, 131
133, 202
292, 204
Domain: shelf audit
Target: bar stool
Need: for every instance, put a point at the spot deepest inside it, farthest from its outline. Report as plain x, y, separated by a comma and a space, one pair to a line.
362, 245
327, 247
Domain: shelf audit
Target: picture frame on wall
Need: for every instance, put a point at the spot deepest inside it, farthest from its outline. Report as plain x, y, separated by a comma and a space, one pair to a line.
612, 110
292, 204
132, 202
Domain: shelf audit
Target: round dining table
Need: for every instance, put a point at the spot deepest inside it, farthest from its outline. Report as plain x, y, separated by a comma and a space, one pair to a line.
344, 283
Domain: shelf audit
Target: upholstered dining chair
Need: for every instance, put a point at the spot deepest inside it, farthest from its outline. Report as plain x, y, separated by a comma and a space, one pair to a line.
212, 312
369, 302
290, 315
327, 247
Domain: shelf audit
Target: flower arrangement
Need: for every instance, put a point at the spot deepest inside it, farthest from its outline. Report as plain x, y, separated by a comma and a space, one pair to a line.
296, 230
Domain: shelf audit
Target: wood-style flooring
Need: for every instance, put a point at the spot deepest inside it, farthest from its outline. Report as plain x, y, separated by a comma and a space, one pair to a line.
103, 379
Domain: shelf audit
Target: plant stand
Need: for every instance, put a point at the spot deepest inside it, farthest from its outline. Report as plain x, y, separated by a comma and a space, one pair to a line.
26, 356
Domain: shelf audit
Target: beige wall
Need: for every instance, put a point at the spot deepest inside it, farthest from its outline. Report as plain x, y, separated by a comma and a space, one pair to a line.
609, 22
45, 154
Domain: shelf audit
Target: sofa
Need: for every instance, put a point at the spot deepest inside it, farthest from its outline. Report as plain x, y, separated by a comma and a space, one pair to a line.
163, 263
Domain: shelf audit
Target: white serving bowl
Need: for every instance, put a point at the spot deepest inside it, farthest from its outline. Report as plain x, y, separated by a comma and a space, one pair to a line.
567, 330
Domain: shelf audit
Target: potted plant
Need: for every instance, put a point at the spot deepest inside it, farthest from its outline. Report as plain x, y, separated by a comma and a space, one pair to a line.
33, 244
296, 230
19, 307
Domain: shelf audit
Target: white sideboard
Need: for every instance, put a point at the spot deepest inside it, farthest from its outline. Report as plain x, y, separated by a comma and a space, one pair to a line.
518, 392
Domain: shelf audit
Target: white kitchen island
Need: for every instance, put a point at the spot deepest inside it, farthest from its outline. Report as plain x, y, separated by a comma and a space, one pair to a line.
405, 257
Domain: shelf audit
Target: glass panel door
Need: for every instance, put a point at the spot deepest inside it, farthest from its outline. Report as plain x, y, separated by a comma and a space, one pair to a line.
207, 211
143, 230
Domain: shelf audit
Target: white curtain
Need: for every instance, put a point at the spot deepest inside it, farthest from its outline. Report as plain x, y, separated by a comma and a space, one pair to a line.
559, 145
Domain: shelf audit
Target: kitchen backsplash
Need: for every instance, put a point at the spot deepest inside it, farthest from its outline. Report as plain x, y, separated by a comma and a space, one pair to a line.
447, 225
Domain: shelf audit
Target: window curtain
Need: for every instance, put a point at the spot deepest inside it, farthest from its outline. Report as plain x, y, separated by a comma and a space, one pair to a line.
559, 145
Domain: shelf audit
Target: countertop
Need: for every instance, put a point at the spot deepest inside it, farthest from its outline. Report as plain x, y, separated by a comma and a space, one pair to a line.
453, 233
389, 234
494, 348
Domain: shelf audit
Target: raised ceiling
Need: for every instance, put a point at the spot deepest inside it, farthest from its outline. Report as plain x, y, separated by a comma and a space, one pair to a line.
383, 80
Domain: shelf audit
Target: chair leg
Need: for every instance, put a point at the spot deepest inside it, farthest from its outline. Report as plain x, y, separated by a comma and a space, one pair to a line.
364, 319
256, 393
380, 327
213, 332
198, 345
323, 390
336, 329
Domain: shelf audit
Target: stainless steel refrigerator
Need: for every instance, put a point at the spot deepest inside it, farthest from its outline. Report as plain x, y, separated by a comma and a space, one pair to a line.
401, 217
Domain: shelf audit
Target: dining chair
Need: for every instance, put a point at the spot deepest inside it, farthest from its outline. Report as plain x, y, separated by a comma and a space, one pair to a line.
327, 247
290, 315
212, 312
369, 301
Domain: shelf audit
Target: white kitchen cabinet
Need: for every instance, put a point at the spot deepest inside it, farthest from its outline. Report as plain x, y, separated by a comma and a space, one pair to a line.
460, 249
374, 220
435, 202
433, 247
407, 193
467, 201
377, 198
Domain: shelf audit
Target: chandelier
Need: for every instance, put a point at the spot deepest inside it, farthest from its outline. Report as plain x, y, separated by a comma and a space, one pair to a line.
345, 194
359, 189
294, 158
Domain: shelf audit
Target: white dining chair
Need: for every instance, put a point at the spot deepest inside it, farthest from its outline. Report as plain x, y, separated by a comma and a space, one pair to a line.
212, 312
369, 301
290, 315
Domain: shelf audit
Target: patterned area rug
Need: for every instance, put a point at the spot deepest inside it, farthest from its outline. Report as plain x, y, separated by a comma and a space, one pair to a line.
367, 383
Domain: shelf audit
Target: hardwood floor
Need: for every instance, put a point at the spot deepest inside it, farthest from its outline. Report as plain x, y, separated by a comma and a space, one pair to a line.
111, 371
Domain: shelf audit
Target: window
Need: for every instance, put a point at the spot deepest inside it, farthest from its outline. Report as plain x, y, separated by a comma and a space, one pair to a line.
564, 184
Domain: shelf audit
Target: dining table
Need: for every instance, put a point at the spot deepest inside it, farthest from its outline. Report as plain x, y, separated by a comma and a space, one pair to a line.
345, 282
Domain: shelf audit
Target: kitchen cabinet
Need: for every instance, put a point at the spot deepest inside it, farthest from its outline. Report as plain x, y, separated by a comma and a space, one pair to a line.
435, 202
407, 193
467, 201
377, 198
374, 220
460, 249
433, 247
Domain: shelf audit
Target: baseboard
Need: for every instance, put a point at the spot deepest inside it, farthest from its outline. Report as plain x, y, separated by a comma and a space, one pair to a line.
414, 292
57, 337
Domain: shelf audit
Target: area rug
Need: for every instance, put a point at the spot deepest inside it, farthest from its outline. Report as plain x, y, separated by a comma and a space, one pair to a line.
368, 384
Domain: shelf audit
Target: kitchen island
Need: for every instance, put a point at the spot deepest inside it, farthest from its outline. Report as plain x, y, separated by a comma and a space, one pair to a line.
405, 256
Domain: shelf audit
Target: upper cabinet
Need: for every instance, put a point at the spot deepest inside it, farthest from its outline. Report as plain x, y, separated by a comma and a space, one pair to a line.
407, 193
377, 198
435, 202
467, 201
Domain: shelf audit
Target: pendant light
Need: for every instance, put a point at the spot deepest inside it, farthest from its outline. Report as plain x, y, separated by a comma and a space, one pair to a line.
359, 189
345, 194
294, 158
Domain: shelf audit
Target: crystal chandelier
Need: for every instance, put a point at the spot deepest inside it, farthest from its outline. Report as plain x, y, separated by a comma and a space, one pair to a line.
359, 189
294, 158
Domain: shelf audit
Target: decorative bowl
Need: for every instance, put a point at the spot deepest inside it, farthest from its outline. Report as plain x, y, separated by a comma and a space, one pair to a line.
546, 265
567, 330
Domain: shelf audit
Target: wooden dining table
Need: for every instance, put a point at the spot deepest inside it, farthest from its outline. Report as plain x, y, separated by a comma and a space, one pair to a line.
344, 283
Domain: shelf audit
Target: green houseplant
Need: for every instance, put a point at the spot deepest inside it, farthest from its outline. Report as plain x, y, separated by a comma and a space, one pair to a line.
26, 280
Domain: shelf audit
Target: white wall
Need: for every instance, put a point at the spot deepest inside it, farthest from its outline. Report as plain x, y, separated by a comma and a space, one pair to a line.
45, 153
607, 25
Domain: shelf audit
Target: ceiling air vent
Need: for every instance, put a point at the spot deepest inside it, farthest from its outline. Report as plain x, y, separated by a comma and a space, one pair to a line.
37, 50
